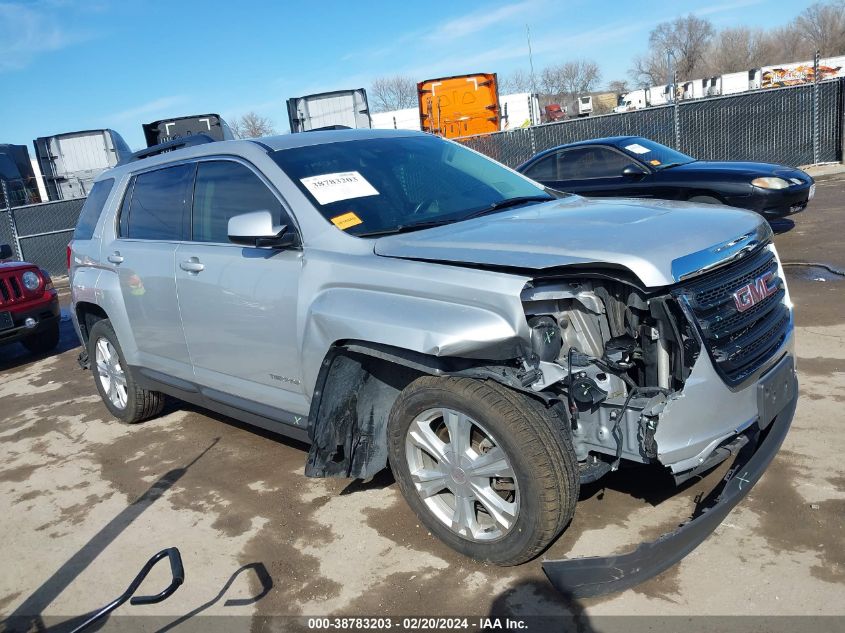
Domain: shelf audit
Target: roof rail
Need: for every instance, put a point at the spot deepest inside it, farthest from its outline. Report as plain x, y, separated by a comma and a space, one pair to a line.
169, 146
329, 127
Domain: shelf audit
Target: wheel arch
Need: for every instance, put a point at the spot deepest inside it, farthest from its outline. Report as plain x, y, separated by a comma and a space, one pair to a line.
87, 314
357, 385
705, 193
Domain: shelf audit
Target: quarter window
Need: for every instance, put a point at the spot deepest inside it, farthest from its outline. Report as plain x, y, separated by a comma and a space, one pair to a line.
225, 189
159, 206
92, 209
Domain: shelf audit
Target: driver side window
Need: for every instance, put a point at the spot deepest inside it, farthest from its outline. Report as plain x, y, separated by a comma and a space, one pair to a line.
592, 162
225, 189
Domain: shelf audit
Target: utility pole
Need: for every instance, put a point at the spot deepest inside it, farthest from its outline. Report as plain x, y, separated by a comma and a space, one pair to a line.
531, 60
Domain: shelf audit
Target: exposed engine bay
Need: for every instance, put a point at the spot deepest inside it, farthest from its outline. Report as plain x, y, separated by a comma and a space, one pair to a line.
613, 355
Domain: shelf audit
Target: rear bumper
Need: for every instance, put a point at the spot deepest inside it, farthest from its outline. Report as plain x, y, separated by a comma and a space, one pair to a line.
44, 314
585, 577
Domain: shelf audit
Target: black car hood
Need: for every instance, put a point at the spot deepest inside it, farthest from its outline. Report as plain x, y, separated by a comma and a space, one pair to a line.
736, 168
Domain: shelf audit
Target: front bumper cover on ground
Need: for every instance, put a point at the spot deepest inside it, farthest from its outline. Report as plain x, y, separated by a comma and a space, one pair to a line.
595, 576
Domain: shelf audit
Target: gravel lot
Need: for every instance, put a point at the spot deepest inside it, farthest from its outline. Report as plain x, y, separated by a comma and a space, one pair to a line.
84, 501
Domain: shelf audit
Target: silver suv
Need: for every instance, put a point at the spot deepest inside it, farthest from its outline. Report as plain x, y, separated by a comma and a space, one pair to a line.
396, 299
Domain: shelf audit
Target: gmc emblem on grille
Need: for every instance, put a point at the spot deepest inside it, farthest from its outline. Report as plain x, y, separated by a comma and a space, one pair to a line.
753, 293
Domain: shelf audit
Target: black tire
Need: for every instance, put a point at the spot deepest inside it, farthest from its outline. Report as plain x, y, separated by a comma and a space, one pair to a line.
43, 341
141, 404
705, 200
541, 456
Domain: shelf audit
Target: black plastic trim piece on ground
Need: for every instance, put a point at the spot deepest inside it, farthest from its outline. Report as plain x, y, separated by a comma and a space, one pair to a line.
595, 576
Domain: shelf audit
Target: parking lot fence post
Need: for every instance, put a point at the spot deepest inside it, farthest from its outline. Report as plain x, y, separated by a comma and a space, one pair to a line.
841, 105
10, 218
676, 113
816, 148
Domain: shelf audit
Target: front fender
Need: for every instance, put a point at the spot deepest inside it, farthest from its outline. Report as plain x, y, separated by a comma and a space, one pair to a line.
417, 323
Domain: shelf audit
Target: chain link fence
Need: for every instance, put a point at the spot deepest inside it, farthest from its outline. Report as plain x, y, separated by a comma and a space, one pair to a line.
40, 233
773, 125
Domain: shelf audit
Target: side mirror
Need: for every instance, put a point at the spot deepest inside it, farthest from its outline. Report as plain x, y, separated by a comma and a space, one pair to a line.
633, 171
256, 229
5, 251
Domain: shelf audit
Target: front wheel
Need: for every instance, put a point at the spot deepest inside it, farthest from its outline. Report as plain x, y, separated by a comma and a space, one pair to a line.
488, 470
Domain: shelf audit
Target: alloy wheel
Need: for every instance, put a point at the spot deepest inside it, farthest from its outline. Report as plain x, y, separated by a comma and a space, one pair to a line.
462, 474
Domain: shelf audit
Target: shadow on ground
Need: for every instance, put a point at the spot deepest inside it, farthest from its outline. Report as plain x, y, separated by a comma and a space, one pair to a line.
14, 355
28, 616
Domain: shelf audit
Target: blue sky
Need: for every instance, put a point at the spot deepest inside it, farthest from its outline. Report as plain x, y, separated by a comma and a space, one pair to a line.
69, 65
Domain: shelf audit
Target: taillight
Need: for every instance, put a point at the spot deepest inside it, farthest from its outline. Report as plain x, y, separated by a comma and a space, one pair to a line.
69, 255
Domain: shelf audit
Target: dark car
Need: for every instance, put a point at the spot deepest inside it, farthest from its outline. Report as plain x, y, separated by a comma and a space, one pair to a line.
632, 166
29, 305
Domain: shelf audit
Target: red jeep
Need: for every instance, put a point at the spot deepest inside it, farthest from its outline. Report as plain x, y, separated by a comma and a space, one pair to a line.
29, 305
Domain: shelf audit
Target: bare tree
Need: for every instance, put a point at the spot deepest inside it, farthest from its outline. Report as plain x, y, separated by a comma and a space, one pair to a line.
650, 69
737, 48
252, 125
822, 26
687, 39
570, 79
392, 93
618, 86
785, 44
517, 81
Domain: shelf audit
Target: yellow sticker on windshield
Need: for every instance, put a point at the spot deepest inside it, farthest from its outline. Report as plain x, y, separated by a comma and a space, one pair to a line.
346, 221
654, 162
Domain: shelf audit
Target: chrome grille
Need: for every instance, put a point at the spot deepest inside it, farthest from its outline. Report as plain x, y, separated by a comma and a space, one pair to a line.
738, 342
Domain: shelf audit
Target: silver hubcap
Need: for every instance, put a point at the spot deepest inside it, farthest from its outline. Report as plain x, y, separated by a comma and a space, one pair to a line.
462, 474
111, 375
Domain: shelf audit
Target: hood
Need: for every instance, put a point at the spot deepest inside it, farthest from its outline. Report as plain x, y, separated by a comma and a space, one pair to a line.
6, 265
659, 241
737, 168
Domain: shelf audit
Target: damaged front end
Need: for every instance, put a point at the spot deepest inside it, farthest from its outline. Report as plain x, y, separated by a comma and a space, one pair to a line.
685, 377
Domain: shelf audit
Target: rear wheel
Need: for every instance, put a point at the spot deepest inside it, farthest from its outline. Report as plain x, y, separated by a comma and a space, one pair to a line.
43, 341
485, 468
120, 393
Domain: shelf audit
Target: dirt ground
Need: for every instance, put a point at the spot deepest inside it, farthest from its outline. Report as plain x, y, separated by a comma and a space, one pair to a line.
84, 501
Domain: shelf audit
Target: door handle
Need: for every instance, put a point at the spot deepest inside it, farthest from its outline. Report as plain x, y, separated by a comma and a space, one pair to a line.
192, 265
115, 258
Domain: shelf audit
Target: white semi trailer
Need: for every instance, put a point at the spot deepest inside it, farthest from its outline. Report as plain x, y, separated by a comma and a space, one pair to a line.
70, 162
340, 108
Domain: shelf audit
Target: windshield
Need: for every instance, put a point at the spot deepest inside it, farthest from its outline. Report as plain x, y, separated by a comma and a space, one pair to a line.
654, 154
382, 185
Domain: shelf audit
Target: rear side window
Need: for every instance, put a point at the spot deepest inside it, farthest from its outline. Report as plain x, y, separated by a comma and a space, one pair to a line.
225, 189
159, 205
92, 209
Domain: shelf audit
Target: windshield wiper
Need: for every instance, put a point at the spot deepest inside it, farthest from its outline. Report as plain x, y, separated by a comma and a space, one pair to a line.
406, 228
507, 202
496, 206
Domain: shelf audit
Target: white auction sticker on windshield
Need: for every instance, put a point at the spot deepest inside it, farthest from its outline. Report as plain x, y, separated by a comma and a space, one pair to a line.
637, 148
343, 185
